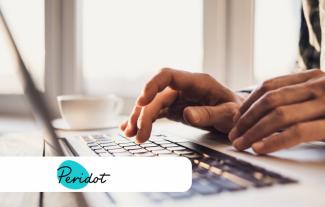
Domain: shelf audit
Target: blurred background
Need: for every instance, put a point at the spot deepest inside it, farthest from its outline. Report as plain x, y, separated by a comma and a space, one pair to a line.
99, 47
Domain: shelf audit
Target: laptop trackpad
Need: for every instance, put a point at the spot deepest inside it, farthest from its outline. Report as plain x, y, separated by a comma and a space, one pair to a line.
311, 152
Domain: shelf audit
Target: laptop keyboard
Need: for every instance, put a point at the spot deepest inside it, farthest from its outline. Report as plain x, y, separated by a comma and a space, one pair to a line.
213, 172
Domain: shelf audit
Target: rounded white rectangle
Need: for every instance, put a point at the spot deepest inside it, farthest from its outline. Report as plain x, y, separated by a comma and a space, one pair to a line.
95, 174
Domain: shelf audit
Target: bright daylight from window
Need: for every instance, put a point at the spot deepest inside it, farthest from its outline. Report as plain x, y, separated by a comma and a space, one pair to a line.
277, 25
26, 21
119, 49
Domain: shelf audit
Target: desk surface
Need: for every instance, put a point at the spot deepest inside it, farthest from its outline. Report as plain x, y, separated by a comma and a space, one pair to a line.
19, 137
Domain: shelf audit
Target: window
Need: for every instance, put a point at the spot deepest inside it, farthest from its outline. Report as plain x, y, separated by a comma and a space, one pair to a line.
26, 21
126, 41
277, 24
113, 46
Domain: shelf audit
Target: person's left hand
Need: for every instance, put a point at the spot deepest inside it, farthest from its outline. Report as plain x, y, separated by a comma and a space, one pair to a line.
282, 113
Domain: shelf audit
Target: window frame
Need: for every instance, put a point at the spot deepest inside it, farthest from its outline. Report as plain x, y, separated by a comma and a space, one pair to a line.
63, 50
229, 41
62, 57
228, 29
240, 43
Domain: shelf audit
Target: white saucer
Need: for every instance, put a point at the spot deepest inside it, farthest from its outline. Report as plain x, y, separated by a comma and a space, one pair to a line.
63, 125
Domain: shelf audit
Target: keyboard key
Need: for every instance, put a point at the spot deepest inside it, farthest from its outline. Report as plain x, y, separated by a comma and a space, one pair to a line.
123, 141
105, 141
203, 165
169, 145
201, 170
92, 144
117, 150
244, 175
132, 147
214, 170
138, 151
210, 161
258, 175
178, 148
238, 180
146, 154
161, 141
183, 152
123, 154
164, 151
128, 144
108, 144
98, 151
167, 155
148, 145
193, 156
113, 147
96, 147
154, 148
105, 154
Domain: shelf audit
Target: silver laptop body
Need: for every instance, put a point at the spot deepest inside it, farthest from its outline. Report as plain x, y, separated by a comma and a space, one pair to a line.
213, 149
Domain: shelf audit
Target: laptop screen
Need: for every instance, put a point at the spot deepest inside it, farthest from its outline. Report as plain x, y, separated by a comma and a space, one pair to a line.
35, 98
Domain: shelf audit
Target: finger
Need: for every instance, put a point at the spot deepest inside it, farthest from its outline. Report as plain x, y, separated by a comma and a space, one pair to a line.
144, 126
269, 101
131, 128
281, 118
199, 85
123, 125
219, 116
166, 77
277, 83
299, 133
151, 112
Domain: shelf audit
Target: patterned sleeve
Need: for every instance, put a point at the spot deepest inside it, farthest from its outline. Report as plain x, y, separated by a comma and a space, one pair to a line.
310, 36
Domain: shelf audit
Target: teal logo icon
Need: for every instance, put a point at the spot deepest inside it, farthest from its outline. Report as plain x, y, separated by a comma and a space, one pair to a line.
69, 170
73, 175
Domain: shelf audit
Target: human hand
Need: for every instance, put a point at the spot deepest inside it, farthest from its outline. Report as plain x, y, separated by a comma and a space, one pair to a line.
193, 98
282, 113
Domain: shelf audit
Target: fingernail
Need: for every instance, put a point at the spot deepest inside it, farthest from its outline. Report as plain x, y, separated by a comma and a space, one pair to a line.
238, 143
258, 146
139, 137
137, 140
233, 134
138, 101
195, 116
129, 130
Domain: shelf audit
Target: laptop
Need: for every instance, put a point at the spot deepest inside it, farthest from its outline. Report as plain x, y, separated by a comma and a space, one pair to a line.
220, 174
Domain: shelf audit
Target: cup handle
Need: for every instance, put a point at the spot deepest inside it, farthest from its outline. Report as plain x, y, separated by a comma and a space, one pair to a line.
118, 105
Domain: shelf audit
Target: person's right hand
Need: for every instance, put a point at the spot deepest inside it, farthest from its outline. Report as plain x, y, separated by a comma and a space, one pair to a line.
193, 98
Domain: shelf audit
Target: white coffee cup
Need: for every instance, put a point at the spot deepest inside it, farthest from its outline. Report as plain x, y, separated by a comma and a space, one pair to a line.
87, 112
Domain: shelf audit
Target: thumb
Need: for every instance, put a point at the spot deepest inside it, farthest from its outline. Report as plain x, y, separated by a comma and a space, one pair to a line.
206, 116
